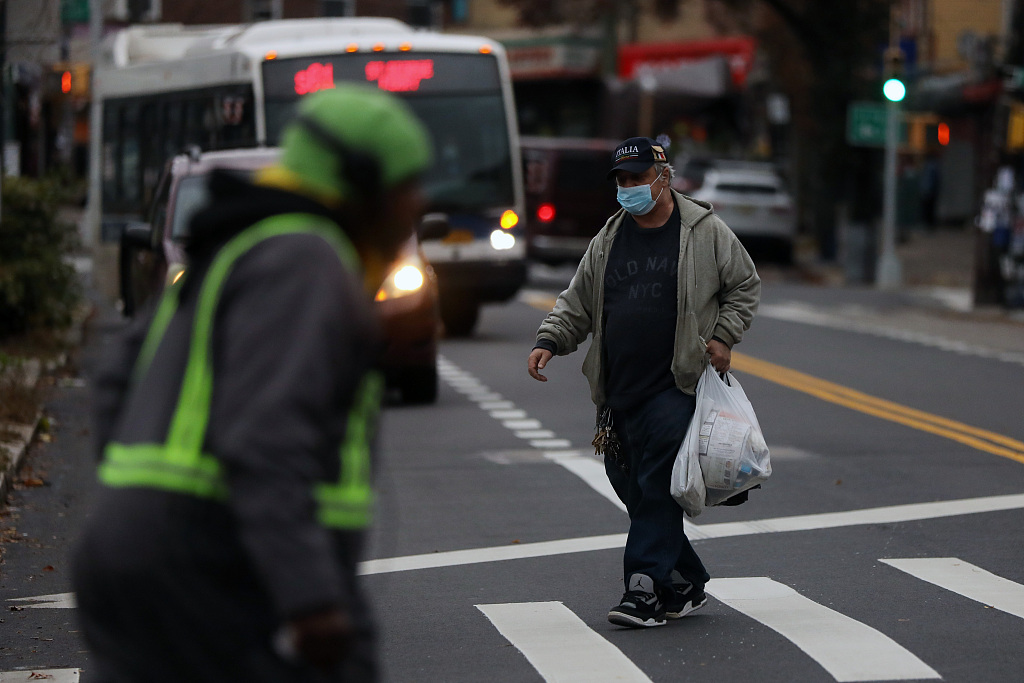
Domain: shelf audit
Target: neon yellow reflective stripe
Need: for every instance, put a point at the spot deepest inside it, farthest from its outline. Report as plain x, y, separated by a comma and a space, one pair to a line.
148, 466
349, 503
179, 464
161, 319
188, 427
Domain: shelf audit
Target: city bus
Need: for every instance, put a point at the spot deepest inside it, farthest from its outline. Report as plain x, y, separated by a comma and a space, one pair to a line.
167, 87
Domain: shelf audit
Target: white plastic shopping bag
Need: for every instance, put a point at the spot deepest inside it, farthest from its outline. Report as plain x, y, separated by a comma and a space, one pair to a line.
725, 438
687, 485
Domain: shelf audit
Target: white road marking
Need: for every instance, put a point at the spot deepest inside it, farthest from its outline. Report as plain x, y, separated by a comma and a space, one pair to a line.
881, 515
829, 520
51, 675
499, 553
535, 434
802, 313
559, 645
52, 601
967, 580
848, 649
551, 443
521, 424
589, 470
508, 414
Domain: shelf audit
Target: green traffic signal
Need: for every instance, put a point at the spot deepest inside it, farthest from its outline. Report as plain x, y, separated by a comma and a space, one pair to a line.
894, 90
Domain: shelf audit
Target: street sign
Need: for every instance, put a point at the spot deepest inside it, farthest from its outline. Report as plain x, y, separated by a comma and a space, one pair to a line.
865, 125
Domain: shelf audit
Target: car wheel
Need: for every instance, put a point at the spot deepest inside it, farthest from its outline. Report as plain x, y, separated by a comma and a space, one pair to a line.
459, 318
419, 385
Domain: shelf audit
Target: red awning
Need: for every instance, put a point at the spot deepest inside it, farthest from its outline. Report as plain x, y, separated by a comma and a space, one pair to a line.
738, 50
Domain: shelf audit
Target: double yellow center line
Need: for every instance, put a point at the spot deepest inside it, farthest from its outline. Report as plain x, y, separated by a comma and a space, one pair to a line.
982, 439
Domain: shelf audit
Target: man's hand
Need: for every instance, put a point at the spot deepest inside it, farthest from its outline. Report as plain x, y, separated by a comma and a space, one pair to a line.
721, 355
538, 359
322, 639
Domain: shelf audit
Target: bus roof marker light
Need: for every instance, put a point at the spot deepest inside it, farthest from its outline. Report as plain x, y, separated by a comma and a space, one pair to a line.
378, 47
509, 219
405, 47
352, 47
271, 55
486, 49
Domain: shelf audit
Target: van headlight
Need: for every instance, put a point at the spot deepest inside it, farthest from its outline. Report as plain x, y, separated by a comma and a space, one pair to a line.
407, 277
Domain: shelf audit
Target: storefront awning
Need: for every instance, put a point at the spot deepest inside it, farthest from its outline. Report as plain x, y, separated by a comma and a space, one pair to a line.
737, 52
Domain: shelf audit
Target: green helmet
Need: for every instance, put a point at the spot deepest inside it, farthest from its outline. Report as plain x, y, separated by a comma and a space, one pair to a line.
353, 141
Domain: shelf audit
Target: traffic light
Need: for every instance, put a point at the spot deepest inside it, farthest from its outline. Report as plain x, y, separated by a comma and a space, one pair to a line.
894, 88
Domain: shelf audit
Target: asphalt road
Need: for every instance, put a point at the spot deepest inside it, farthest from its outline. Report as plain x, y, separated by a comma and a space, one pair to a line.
886, 546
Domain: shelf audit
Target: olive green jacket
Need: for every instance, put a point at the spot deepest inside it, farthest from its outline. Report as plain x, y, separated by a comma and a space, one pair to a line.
718, 293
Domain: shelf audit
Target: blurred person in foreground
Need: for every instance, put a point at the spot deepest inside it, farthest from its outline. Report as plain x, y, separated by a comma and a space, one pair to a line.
664, 288
236, 432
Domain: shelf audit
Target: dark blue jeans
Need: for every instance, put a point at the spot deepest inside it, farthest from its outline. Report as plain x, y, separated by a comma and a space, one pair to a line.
651, 434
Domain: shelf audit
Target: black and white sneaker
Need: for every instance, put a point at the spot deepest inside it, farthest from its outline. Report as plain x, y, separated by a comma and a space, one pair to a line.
640, 607
687, 598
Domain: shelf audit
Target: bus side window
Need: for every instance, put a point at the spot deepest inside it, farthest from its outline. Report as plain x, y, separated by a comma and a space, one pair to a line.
130, 179
111, 153
151, 147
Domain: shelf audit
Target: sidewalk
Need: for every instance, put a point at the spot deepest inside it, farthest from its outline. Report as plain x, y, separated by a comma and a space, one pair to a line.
935, 299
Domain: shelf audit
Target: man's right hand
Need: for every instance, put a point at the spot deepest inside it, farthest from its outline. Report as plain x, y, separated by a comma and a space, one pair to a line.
538, 359
322, 639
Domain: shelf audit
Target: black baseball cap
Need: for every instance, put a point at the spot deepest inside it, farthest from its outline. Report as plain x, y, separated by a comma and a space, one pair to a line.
636, 155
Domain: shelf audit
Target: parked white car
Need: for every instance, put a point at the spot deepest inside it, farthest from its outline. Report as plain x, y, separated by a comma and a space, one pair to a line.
753, 201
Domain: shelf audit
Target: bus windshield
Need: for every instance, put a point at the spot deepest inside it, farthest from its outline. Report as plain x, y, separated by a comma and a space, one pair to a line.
457, 96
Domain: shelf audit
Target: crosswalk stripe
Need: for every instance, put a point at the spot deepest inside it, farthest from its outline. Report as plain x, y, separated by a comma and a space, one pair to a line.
559, 645
848, 649
967, 580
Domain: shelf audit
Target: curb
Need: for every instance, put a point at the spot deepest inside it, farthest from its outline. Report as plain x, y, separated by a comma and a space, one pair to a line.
15, 438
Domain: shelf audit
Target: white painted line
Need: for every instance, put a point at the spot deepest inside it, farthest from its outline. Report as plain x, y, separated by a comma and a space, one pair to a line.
882, 515
803, 313
51, 675
535, 434
497, 405
487, 397
508, 414
52, 601
522, 424
967, 580
551, 443
848, 649
591, 471
493, 554
829, 520
559, 645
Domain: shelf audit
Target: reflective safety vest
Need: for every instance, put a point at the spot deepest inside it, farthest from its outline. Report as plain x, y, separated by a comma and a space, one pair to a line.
179, 464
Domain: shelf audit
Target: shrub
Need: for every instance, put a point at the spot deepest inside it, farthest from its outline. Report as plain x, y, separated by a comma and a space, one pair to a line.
38, 287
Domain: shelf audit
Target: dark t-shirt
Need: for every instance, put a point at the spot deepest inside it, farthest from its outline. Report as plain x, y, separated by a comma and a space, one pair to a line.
640, 312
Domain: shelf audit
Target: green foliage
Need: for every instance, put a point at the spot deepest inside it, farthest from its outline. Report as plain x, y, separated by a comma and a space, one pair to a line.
38, 287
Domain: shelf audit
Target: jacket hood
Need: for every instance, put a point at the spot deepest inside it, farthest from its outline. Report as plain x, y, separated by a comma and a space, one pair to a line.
691, 211
236, 204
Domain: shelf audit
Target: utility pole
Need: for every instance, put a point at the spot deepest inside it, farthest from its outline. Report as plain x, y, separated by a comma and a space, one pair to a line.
3, 96
92, 214
889, 273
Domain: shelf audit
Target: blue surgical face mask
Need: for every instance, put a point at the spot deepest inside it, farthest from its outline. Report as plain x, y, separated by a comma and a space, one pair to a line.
637, 200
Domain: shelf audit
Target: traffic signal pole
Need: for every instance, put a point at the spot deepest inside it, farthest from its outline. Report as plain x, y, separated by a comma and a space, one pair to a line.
92, 232
889, 273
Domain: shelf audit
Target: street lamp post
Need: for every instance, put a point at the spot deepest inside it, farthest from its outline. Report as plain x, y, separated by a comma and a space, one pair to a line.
889, 273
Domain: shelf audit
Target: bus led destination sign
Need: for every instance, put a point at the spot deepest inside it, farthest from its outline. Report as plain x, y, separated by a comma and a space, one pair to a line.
400, 75
424, 74
315, 77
